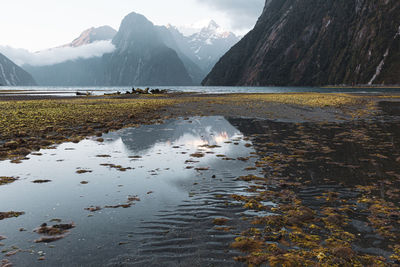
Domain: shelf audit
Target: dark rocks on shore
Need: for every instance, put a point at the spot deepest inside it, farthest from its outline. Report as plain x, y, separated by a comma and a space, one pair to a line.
158, 91
148, 91
139, 91
83, 94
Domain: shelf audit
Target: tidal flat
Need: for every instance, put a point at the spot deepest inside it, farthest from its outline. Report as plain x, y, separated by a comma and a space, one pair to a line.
201, 180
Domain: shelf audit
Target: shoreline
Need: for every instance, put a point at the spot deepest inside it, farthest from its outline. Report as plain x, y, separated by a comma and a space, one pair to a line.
306, 148
31, 123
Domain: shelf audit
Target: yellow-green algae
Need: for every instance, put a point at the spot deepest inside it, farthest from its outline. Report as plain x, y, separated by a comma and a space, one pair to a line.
32, 124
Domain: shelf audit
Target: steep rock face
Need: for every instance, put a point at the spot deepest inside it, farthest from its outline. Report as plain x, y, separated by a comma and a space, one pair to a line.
141, 57
313, 42
12, 75
93, 35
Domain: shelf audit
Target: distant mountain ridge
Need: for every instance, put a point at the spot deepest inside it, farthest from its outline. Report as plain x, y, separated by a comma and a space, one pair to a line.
315, 42
92, 35
142, 58
144, 54
13, 75
207, 46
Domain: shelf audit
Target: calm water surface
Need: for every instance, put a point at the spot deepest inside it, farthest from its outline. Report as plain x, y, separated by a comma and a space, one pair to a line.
173, 195
66, 91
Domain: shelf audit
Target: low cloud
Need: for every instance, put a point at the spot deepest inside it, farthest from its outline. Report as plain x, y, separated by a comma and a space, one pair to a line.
57, 55
242, 13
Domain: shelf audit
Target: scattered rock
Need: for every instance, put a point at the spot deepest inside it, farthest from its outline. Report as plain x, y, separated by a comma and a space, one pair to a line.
220, 221
41, 181
12, 253
10, 214
49, 239
56, 229
12, 145
197, 155
133, 198
83, 171
53, 233
202, 169
7, 180
135, 157
6, 263
93, 209
103, 156
125, 206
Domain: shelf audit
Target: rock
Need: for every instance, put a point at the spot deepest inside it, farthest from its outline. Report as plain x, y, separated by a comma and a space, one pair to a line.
11, 145
286, 49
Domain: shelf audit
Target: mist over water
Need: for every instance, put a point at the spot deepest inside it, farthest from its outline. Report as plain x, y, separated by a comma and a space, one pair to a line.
57, 55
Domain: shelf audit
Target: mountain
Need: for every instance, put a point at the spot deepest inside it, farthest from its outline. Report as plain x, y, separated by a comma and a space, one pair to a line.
139, 54
142, 58
195, 72
77, 72
93, 35
316, 42
80, 72
12, 75
206, 46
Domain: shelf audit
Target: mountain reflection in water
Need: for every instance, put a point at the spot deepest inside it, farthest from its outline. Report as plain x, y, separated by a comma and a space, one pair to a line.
193, 133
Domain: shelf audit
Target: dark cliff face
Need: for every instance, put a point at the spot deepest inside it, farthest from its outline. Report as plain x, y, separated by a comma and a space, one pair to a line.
141, 57
314, 42
13, 75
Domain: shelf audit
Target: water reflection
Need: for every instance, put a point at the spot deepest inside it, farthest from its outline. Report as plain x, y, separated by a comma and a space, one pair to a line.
160, 176
193, 133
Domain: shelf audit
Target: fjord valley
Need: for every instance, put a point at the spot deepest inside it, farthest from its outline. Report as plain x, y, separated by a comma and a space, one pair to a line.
112, 154
139, 53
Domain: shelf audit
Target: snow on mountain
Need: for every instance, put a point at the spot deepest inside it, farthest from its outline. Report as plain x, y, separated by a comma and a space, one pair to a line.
92, 35
206, 43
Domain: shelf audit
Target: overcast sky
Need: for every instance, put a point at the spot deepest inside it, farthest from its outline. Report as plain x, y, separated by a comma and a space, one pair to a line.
41, 24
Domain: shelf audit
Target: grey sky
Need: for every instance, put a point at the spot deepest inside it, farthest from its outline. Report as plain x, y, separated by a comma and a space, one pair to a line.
242, 13
41, 24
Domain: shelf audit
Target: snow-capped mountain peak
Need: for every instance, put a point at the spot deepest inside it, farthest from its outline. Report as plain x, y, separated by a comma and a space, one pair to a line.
206, 43
197, 27
213, 25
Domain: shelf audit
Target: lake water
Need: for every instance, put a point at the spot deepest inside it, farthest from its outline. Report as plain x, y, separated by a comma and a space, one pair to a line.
67, 91
176, 195
158, 189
